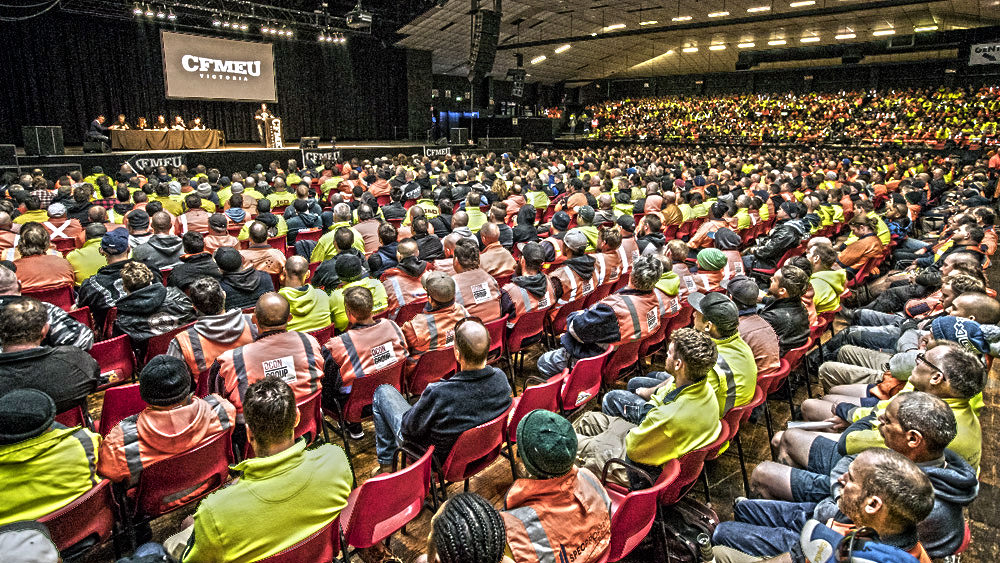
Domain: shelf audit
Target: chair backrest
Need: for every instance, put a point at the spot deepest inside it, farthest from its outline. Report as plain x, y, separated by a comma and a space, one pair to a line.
396, 222
691, 466
158, 344
279, 242
737, 416
670, 231
75, 416
202, 469
624, 356
503, 280
363, 389
769, 382
234, 230
542, 396
791, 252
558, 318
82, 316
322, 545
432, 366
583, 382
635, 514
119, 403
656, 338
308, 234
310, 416
386, 503
621, 282
383, 200
410, 310
61, 297
475, 449
64, 245
108, 330
322, 335
496, 328
600, 292
91, 517
115, 358
794, 356
682, 319
526, 326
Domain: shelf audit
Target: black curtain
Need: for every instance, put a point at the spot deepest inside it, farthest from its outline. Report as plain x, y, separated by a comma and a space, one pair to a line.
63, 70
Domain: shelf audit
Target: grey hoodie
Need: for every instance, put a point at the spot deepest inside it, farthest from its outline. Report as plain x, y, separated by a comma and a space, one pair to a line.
160, 251
224, 328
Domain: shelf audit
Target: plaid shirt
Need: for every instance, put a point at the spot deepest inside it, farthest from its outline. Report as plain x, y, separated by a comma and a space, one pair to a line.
107, 203
45, 197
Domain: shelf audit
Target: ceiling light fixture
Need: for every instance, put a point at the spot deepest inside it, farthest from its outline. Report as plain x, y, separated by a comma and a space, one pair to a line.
716, 47
774, 42
801, 3
680, 18
649, 22
563, 48
171, 16
136, 10
538, 59
882, 32
924, 28
747, 45
758, 9
149, 12
843, 36
812, 39
718, 14
613, 27
690, 49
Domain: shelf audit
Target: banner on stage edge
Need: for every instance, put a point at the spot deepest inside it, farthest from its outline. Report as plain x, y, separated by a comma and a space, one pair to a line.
311, 158
984, 54
140, 162
437, 152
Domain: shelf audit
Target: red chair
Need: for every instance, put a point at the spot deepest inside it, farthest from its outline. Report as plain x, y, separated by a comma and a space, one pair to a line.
432, 366
119, 403
82, 316
619, 284
234, 229
735, 419
600, 292
692, 464
503, 280
682, 319
475, 450
670, 231
361, 395
165, 274
795, 251
769, 383
61, 297
621, 362
158, 344
556, 319
383, 200
312, 269
310, 421
526, 327
543, 396
496, 328
322, 545
384, 504
322, 335
633, 513
410, 310
192, 474
279, 242
657, 340
108, 330
116, 360
76, 416
397, 223
308, 234
583, 382
86, 522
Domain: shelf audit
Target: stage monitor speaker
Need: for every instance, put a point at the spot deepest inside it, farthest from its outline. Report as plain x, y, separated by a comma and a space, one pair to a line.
485, 35
442, 142
459, 135
43, 140
309, 142
8, 155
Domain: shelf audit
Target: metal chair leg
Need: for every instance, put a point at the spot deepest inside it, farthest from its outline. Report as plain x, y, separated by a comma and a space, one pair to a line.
770, 430
791, 406
743, 465
704, 481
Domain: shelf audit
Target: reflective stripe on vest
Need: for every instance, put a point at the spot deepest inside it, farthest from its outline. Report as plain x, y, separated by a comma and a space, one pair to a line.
635, 317
536, 533
184, 222
57, 232
88, 450
723, 365
130, 447
220, 411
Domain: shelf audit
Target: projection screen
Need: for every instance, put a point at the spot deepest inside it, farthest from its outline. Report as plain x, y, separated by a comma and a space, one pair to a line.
209, 68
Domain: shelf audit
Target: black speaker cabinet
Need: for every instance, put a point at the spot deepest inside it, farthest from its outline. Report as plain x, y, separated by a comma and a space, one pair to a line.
459, 135
309, 142
43, 140
485, 35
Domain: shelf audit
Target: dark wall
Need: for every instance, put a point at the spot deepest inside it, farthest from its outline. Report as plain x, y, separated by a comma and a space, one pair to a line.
419, 80
62, 70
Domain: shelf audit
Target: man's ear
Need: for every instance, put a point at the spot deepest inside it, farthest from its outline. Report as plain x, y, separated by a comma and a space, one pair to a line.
873, 504
45, 330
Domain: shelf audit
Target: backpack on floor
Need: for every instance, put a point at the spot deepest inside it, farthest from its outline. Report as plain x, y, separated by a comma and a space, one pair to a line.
682, 524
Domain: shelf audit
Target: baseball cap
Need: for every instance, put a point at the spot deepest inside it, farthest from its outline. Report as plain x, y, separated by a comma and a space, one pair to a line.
743, 290
717, 309
57, 210
576, 241
115, 242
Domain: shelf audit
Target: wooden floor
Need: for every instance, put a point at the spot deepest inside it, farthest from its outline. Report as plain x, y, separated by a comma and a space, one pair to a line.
493, 483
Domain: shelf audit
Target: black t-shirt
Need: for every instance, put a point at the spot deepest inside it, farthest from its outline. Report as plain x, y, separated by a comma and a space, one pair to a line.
65, 373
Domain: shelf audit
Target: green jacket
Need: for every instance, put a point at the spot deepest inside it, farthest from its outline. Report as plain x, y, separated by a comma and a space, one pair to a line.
86, 260
47, 472
282, 228
279, 501
538, 200
592, 234
379, 296
310, 307
326, 247
476, 218
827, 287
679, 420
734, 376
669, 283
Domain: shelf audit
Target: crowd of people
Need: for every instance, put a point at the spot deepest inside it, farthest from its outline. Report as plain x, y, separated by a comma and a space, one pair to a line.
756, 245
942, 117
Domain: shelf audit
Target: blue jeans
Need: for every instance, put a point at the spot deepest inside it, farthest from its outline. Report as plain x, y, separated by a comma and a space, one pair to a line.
652, 379
765, 528
868, 317
625, 404
882, 338
388, 408
553, 363
911, 244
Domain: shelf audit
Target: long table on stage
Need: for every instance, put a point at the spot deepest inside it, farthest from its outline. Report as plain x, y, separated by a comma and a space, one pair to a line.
143, 140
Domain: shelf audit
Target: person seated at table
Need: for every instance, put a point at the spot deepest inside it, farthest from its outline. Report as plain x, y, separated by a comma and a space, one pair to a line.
197, 125
98, 132
178, 124
142, 124
120, 124
160, 124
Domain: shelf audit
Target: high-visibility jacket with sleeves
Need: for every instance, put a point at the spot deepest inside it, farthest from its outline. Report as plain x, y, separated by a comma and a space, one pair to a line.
708, 280
573, 285
293, 357
608, 266
524, 301
557, 248
45, 473
680, 420
667, 289
734, 376
380, 301
401, 289
629, 251
157, 433
326, 246
638, 313
199, 352
497, 261
479, 293
560, 519
432, 330
364, 350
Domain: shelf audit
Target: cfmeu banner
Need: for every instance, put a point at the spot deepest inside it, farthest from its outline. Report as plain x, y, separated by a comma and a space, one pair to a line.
984, 54
209, 68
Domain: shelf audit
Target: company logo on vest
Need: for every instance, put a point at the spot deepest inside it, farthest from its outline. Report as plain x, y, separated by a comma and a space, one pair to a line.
217, 69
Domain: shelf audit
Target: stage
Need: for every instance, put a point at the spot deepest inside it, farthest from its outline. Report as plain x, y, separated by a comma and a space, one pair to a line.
228, 159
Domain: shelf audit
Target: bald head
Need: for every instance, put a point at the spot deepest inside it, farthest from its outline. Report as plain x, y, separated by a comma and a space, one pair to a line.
407, 248
5, 220
472, 345
161, 222
449, 243
604, 201
97, 214
440, 288
8, 282
977, 306
296, 270
459, 219
272, 312
490, 233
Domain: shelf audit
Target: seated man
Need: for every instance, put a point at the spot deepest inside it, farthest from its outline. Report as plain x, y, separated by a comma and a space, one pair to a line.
215, 331
529, 289
66, 374
917, 425
174, 421
196, 262
43, 464
827, 282
676, 419
148, 309
865, 248
476, 394
351, 272
87, 259
194, 219
295, 357
712, 273
560, 504
754, 330
610, 259
402, 282
218, 234
385, 257
260, 255
366, 348
102, 291
434, 328
64, 330
243, 286
302, 490
328, 247
575, 277
783, 308
163, 249
495, 259
881, 490
475, 289
310, 306
37, 267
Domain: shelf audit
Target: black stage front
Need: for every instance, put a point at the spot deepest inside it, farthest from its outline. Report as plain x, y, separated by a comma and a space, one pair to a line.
228, 159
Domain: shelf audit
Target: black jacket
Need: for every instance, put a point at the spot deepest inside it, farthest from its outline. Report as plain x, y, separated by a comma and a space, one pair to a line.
244, 287
430, 247
102, 291
783, 236
383, 259
394, 210
442, 225
66, 373
151, 311
790, 321
192, 267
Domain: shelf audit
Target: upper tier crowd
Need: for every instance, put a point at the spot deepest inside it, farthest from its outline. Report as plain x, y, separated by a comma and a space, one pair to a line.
247, 294
938, 118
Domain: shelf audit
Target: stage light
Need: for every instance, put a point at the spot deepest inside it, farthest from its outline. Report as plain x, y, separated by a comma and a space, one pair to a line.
226, 24
924, 28
563, 48
244, 27
776, 42
160, 14
649, 22
882, 32
758, 9
802, 3
718, 14
171, 16
136, 10
149, 12
747, 45
716, 47
216, 22
538, 59
690, 50
812, 39
680, 18
844, 36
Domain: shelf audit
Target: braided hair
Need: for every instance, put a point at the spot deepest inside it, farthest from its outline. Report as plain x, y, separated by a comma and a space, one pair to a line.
467, 529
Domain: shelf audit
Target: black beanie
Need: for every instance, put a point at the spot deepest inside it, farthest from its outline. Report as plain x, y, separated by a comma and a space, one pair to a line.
25, 414
164, 381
